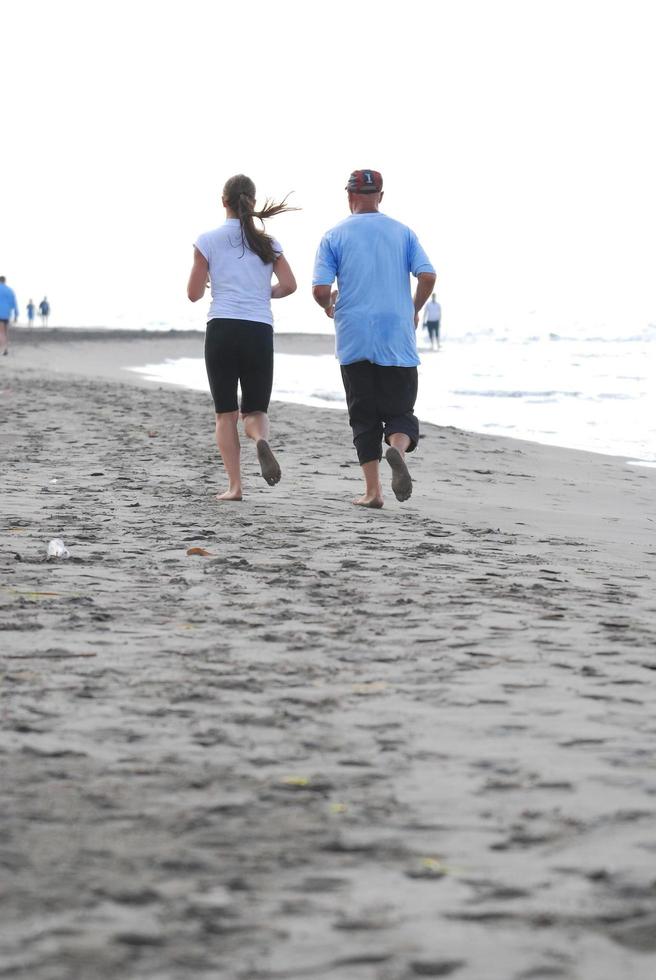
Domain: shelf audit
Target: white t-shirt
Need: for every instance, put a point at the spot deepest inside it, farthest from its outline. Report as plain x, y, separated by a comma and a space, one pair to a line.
433, 312
239, 279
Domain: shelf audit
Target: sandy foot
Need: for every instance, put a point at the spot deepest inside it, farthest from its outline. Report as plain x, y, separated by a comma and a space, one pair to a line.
268, 463
401, 480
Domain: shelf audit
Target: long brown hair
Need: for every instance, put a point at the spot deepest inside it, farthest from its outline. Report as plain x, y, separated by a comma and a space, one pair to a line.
239, 195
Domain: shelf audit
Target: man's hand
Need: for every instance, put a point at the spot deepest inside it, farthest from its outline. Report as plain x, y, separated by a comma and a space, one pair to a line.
326, 298
330, 310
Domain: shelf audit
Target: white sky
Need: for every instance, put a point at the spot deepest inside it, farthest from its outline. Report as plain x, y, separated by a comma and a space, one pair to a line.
515, 136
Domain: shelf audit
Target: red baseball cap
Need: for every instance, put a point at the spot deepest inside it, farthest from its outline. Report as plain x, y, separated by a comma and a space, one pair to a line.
365, 182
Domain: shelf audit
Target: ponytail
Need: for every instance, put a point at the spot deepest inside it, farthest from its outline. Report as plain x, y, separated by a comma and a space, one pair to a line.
239, 195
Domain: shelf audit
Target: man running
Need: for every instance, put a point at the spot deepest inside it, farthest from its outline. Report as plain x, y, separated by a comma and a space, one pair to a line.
376, 316
8, 311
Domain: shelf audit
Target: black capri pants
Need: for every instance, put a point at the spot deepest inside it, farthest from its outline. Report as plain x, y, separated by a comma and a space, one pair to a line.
380, 402
239, 353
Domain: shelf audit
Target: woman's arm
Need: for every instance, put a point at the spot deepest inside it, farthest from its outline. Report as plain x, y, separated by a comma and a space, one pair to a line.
199, 278
286, 283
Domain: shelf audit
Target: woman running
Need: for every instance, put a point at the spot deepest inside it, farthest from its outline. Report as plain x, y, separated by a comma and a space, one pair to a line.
237, 260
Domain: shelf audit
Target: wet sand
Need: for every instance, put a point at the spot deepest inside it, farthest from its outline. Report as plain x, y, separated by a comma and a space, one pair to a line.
107, 353
351, 744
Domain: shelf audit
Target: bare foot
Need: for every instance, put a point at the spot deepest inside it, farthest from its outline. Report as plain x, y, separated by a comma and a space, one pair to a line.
229, 495
401, 480
268, 462
374, 502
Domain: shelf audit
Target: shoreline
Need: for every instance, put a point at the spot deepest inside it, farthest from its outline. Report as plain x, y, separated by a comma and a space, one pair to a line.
36, 336
74, 351
77, 351
360, 744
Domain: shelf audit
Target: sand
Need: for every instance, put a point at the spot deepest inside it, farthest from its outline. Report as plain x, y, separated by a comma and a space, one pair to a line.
343, 743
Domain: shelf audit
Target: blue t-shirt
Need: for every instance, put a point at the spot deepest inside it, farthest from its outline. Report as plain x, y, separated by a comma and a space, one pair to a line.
372, 257
8, 304
239, 279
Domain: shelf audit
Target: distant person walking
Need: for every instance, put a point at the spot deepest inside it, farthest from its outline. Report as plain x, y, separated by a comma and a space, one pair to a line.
31, 308
8, 312
237, 261
432, 319
44, 311
372, 257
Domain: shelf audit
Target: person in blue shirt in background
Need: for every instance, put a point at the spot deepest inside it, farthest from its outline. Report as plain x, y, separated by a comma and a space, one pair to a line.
376, 316
30, 313
8, 311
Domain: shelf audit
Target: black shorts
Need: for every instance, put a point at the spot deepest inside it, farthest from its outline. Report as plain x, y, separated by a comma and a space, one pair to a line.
433, 327
239, 353
380, 402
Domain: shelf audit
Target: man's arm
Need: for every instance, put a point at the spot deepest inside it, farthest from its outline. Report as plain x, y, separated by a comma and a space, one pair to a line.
326, 266
425, 283
326, 297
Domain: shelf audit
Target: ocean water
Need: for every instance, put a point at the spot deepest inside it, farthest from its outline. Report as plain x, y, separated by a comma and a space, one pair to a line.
590, 393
